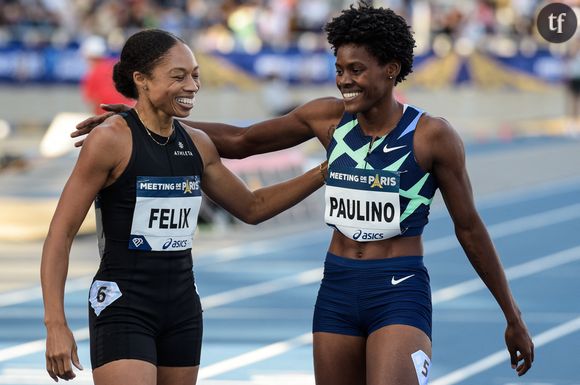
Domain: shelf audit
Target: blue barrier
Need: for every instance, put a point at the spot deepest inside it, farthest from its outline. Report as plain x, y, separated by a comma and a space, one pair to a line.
61, 65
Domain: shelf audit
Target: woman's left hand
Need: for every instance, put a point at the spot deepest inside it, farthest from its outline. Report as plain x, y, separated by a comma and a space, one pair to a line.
520, 346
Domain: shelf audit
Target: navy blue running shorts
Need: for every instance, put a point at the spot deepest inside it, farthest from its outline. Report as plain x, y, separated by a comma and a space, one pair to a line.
145, 308
357, 297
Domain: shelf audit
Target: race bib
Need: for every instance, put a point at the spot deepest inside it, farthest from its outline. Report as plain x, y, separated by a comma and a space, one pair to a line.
166, 211
363, 204
102, 294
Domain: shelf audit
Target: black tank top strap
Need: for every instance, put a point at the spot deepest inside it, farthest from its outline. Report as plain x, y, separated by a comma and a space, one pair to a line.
179, 160
181, 132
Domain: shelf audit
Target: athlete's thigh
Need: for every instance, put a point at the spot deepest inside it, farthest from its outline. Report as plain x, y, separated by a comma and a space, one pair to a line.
186, 375
398, 355
126, 372
339, 359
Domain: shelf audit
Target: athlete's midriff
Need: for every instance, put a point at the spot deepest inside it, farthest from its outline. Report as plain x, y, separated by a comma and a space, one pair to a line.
388, 248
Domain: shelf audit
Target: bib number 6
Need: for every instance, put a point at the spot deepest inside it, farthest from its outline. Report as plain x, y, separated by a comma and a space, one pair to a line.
102, 294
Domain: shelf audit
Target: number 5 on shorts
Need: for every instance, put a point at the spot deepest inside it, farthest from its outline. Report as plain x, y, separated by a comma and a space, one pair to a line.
422, 364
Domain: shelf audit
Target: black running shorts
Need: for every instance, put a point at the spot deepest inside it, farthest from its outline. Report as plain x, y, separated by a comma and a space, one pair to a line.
145, 306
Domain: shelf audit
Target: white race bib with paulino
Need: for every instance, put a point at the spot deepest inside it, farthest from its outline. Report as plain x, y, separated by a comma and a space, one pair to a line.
363, 204
166, 211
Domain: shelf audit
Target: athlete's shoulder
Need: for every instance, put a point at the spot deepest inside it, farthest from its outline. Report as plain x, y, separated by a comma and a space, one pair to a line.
325, 108
195, 133
116, 122
111, 131
436, 127
203, 143
435, 140
321, 116
329, 102
113, 125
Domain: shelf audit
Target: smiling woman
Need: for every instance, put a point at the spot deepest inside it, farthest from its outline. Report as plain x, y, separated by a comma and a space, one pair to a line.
372, 319
146, 171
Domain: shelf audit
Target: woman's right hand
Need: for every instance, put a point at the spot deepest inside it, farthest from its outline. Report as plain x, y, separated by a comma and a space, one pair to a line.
88, 124
61, 351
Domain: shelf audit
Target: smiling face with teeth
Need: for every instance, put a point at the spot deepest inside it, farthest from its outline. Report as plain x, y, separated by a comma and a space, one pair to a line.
174, 82
362, 81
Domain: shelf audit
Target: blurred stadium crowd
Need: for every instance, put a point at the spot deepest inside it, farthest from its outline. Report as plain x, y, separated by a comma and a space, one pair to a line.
484, 44
500, 27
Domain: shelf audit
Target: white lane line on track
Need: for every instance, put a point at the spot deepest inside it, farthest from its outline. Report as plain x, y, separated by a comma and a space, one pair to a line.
517, 196
439, 296
263, 288
36, 376
499, 230
301, 279
512, 226
312, 276
522, 270
448, 379
30, 294
254, 356
35, 346
503, 356
526, 193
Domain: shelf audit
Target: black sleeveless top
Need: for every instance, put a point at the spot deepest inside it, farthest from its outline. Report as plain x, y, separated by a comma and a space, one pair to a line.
155, 178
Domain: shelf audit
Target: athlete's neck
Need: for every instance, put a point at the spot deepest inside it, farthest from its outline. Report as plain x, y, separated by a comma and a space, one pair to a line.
157, 123
379, 121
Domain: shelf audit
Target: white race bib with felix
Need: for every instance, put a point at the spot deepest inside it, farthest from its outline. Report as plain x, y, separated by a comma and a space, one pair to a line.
363, 204
166, 211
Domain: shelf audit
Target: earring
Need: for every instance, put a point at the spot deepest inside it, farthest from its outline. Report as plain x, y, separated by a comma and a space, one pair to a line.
390, 77
145, 88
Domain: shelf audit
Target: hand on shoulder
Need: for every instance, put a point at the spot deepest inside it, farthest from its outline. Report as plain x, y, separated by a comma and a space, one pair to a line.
112, 125
109, 144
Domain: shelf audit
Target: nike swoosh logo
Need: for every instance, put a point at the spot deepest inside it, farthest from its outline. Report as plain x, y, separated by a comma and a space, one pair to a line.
398, 281
389, 149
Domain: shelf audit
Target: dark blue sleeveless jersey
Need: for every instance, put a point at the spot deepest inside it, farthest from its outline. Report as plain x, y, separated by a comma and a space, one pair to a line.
350, 147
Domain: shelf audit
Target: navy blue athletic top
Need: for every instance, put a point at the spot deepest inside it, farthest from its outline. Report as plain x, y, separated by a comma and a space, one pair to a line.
351, 149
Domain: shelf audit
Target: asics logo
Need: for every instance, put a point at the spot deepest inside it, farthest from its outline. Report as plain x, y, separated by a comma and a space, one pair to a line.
366, 236
389, 149
175, 244
395, 281
167, 244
